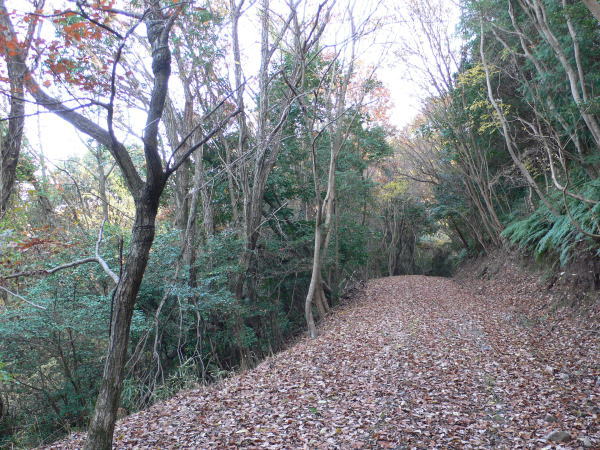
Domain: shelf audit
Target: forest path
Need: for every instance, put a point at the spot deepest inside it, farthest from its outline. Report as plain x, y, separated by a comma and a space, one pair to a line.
413, 362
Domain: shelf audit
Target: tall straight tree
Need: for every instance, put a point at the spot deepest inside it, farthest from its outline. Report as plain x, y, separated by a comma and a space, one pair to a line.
267, 139
334, 91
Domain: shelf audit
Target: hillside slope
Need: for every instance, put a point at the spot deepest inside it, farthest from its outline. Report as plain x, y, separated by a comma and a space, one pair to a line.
414, 361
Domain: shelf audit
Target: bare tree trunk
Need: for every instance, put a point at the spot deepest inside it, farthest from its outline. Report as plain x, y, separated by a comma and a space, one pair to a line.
101, 429
535, 10
254, 198
189, 243
102, 425
314, 281
325, 209
268, 143
459, 233
176, 127
182, 187
242, 128
11, 141
45, 204
507, 134
206, 195
102, 179
231, 187
321, 299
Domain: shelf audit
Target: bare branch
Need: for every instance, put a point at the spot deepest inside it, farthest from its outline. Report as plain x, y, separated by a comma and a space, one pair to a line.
20, 297
100, 260
86, 16
203, 141
199, 125
97, 259
50, 271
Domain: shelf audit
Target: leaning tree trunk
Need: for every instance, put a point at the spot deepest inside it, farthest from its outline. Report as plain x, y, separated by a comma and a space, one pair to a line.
314, 280
103, 421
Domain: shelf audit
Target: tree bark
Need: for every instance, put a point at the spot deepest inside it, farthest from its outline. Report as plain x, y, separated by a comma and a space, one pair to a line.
15, 56
102, 425
314, 281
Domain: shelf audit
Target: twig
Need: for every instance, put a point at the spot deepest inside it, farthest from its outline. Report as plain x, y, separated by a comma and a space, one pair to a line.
270, 215
50, 271
20, 297
97, 258
100, 260
203, 141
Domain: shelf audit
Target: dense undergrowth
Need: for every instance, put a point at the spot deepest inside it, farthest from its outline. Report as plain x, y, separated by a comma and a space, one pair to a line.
546, 235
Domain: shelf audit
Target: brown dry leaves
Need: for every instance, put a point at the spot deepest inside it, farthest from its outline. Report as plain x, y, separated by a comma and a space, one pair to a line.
415, 362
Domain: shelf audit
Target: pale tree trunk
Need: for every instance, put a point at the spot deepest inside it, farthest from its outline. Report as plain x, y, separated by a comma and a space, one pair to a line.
176, 127
45, 204
535, 10
459, 233
41, 187
237, 284
325, 209
542, 69
314, 280
231, 184
510, 145
182, 176
102, 182
268, 142
253, 177
242, 128
323, 218
253, 194
477, 182
254, 198
201, 183
182, 188
189, 242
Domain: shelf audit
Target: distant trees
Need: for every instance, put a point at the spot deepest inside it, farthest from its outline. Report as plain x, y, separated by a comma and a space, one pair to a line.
508, 141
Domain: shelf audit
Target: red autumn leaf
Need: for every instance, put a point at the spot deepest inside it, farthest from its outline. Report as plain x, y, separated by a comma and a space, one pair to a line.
59, 68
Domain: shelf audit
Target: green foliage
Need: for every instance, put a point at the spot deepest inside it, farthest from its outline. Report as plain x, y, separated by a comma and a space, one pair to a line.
52, 356
546, 235
478, 191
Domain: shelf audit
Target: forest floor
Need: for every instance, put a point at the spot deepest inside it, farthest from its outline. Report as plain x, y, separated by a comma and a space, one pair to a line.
410, 362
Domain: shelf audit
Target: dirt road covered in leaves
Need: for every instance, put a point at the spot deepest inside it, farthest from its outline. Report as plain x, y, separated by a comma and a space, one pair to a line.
413, 362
